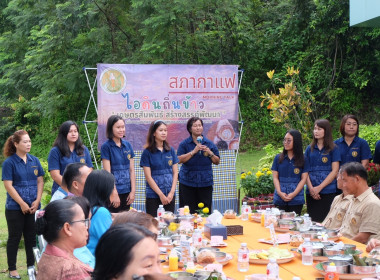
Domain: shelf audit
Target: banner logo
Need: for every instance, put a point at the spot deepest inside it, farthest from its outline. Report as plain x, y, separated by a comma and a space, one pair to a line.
112, 81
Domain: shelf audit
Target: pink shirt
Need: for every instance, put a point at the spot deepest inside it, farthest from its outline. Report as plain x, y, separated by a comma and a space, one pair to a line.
58, 264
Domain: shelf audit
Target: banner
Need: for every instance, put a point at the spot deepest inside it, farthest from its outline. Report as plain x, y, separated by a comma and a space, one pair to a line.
143, 93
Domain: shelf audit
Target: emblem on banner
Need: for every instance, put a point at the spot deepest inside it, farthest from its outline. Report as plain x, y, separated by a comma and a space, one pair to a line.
325, 159
170, 162
35, 172
82, 160
354, 153
112, 81
296, 171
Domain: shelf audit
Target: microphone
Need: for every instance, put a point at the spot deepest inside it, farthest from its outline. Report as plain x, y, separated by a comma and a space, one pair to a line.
199, 140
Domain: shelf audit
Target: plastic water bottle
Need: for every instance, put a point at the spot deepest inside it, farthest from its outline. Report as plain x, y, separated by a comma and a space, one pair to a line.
266, 218
307, 221
244, 211
273, 270
307, 252
197, 238
160, 212
243, 258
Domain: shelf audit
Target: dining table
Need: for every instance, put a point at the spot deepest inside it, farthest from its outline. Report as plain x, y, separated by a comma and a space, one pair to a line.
252, 232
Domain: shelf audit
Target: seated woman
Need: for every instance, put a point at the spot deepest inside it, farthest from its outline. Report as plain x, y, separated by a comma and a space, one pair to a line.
139, 218
98, 189
64, 227
136, 253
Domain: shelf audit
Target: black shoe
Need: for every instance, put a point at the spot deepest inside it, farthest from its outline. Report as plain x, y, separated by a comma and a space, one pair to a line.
14, 277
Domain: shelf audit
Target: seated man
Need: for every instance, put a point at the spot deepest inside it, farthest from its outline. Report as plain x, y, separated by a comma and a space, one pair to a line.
73, 180
338, 208
361, 220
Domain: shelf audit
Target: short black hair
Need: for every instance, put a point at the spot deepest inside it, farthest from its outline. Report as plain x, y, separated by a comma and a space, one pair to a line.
98, 188
110, 122
82, 202
190, 123
71, 173
112, 263
56, 214
354, 168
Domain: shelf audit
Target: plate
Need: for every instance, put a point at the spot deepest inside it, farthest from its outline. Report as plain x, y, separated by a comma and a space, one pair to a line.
266, 261
315, 258
269, 241
223, 244
226, 260
345, 276
282, 229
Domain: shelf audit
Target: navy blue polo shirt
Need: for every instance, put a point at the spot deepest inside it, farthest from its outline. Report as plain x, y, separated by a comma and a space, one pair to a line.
119, 158
320, 164
197, 171
289, 176
59, 162
161, 167
376, 157
24, 179
358, 150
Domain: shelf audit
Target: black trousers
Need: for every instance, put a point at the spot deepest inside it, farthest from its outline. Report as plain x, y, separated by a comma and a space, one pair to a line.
20, 224
151, 205
318, 209
123, 204
191, 196
290, 208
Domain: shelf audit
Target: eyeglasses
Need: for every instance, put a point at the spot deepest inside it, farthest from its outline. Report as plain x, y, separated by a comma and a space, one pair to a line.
86, 222
287, 141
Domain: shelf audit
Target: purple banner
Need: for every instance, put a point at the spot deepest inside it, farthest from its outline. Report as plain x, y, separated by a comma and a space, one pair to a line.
173, 93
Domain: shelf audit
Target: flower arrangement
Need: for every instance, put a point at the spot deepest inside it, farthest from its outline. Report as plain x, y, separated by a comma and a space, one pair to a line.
202, 210
373, 171
257, 183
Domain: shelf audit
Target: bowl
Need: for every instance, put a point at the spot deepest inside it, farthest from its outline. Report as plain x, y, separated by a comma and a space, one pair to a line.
177, 274
229, 214
341, 266
220, 256
288, 215
164, 241
349, 247
286, 224
329, 251
317, 228
309, 234
214, 249
317, 249
168, 217
357, 269
339, 258
332, 233
201, 274
175, 237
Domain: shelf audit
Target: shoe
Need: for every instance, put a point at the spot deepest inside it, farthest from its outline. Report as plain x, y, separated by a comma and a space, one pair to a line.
14, 277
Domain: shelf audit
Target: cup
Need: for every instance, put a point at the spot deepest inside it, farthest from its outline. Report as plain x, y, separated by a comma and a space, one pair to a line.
181, 211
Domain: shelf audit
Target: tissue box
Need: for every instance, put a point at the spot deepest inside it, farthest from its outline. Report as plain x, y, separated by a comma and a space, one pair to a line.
210, 230
235, 230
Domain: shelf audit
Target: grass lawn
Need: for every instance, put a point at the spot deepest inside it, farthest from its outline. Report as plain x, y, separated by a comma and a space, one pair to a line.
245, 161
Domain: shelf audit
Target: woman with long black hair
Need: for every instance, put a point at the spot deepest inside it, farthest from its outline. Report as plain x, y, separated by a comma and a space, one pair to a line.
160, 164
67, 148
22, 175
324, 157
290, 171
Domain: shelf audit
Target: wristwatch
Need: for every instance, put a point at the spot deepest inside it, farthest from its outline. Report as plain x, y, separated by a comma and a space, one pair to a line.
210, 156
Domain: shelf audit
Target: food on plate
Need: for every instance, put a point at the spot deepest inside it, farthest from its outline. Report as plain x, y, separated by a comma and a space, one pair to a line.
272, 253
206, 257
229, 214
296, 240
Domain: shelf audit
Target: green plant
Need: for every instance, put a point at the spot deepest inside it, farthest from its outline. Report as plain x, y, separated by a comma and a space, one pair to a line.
371, 133
373, 171
255, 184
46, 195
271, 152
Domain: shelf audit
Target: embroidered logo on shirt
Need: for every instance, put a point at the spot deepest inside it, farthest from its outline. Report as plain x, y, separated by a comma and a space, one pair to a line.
339, 216
170, 162
129, 156
205, 154
325, 159
354, 153
35, 172
82, 160
353, 221
296, 171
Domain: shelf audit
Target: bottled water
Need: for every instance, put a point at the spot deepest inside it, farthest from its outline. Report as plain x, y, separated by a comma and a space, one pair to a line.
307, 221
243, 258
244, 211
266, 218
272, 270
160, 212
307, 252
197, 238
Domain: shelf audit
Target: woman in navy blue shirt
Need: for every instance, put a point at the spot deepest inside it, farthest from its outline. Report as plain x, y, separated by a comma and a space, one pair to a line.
67, 148
290, 171
323, 157
197, 155
23, 179
160, 164
117, 157
351, 146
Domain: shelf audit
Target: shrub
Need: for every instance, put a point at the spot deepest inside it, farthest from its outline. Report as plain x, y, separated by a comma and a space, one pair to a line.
255, 184
371, 133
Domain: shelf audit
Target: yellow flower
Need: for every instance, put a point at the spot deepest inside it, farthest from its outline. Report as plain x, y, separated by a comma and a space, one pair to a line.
265, 169
270, 74
201, 205
249, 173
243, 176
253, 168
205, 210
269, 172
259, 174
